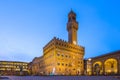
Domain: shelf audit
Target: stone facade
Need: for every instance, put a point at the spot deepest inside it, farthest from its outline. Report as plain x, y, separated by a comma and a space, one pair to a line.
63, 58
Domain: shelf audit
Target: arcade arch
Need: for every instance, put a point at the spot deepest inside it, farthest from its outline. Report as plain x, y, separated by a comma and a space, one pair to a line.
97, 68
111, 66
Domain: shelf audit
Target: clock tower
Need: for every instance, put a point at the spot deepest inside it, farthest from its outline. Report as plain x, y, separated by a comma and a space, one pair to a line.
72, 27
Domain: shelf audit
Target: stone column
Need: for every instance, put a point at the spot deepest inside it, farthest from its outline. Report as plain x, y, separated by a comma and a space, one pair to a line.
92, 68
103, 67
118, 65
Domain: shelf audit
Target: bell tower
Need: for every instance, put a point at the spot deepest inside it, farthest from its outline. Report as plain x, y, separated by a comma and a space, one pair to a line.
72, 27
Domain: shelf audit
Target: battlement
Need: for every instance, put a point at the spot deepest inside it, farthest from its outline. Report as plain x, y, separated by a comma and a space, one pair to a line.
59, 42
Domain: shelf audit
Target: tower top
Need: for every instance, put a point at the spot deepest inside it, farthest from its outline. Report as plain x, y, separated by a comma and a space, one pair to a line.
72, 13
72, 27
71, 16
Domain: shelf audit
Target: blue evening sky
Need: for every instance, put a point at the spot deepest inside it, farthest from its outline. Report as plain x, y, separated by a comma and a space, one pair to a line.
26, 26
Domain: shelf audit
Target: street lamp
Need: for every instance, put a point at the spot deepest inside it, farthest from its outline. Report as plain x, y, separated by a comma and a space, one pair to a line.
89, 59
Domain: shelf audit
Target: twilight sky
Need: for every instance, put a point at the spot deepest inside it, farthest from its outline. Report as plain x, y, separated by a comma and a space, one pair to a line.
26, 26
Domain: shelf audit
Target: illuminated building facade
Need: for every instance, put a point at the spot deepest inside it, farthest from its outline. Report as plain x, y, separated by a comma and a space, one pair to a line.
37, 66
107, 64
13, 68
61, 57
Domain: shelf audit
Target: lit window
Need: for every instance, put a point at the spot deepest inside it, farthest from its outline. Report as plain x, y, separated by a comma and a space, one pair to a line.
58, 54
73, 69
58, 63
66, 56
62, 55
62, 64
69, 56
81, 62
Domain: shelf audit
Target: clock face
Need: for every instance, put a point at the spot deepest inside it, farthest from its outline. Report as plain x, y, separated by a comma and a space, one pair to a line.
74, 42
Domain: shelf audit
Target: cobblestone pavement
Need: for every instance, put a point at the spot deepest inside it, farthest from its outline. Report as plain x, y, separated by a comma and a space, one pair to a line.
60, 78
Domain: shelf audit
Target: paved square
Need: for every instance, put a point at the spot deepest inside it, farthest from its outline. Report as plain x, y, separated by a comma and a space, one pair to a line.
59, 78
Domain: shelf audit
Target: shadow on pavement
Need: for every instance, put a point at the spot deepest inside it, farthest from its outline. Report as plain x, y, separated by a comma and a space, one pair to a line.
4, 78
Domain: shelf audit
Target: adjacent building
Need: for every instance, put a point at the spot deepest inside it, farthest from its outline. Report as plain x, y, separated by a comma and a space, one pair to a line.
13, 68
61, 57
37, 66
107, 64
